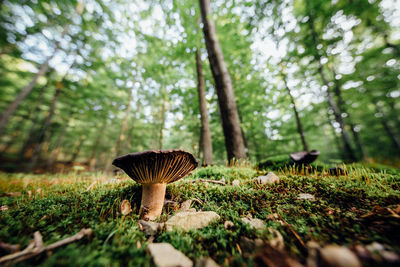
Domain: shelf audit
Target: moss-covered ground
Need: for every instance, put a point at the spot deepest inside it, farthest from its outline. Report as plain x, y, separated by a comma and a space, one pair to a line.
345, 212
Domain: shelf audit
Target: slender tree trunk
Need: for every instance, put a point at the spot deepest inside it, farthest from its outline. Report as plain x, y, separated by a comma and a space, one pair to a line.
28, 88
205, 125
77, 150
38, 147
22, 95
338, 116
32, 135
342, 107
93, 154
162, 125
389, 129
223, 84
124, 124
296, 114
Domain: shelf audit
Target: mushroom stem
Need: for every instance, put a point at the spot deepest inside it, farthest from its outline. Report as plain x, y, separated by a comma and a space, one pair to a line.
152, 201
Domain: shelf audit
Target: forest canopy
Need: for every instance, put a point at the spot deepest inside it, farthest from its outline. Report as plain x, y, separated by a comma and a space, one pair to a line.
86, 81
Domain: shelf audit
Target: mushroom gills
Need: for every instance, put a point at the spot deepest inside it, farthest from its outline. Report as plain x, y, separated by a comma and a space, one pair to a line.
152, 201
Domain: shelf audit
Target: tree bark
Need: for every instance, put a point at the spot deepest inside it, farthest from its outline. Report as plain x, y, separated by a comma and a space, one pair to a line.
206, 142
338, 116
296, 114
223, 84
124, 124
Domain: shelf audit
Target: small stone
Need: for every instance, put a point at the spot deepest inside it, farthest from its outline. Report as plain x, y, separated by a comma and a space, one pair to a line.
276, 241
250, 245
270, 178
191, 220
150, 228
191, 210
254, 222
337, 256
165, 255
375, 247
228, 224
186, 205
206, 262
236, 182
312, 258
4, 208
390, 256
306, 196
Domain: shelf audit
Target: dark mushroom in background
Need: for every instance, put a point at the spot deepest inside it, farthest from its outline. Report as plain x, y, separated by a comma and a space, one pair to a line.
304, 157
154, 170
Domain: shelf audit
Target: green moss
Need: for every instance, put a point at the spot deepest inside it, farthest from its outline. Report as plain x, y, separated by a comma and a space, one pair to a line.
59, 206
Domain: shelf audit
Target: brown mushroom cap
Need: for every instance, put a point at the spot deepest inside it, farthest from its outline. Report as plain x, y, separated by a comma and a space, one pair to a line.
159, 166
304, 157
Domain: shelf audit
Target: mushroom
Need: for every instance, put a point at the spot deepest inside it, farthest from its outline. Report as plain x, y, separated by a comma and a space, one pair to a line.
154, 170
304, 157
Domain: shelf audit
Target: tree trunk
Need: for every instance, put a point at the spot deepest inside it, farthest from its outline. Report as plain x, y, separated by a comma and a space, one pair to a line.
93, 155
32, 135
389, 129
342, 107
77, 149
206, 142
22, 95
124, 124
223, 84
338, 116
296, 114
162, 125
28, 88
43, 132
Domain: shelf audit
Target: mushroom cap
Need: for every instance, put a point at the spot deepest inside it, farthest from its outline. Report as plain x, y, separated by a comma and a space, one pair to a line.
157, 166
304, 157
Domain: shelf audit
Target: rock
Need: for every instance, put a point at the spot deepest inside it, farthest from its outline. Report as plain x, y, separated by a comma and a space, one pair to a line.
312, 258
390, 256
254, 222
165, 255
250, 245
206, 262
150, 228
270, 178
337, 256
4, 208
375, 247
191, 220
306, 196
228, 224
236, 182
276, 241
186, 205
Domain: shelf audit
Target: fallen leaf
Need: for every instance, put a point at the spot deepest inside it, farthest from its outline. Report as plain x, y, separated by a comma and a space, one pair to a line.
125, 207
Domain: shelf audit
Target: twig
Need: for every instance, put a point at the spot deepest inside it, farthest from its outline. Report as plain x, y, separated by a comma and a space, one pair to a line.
293, 231
209, 181
36, 247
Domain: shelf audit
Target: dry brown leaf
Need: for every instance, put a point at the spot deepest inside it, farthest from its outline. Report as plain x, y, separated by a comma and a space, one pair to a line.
125, 207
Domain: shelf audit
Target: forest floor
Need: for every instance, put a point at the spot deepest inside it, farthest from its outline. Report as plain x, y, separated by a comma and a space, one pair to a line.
358, 210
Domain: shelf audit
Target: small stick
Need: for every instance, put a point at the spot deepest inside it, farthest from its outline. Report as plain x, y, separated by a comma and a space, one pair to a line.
292, 230
36, 247
209, 181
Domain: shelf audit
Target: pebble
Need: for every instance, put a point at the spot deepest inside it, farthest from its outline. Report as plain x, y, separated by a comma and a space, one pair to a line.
165, 255
187, 220
270, 178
